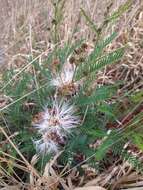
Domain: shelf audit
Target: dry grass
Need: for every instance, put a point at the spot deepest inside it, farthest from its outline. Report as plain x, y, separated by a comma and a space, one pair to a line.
25, 29
27, 25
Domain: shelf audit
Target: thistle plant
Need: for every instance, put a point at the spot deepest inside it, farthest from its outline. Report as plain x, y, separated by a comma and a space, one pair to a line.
70, 84
62, 107
55, 122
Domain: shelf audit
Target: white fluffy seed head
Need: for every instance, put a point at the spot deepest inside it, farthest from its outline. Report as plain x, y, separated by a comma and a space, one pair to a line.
64, 81
46, 146
49, 142
60, 118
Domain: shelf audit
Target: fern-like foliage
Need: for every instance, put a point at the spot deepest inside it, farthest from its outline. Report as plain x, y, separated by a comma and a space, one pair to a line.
91, 141
99, 95
117, 14
90, 23
98, 63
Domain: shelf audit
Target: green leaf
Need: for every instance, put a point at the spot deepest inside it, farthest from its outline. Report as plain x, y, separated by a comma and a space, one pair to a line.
137, 97
95, 65
106, 109
138, 140
103, 148
100, 94
90, 22
122, 9
96, 133
100, 46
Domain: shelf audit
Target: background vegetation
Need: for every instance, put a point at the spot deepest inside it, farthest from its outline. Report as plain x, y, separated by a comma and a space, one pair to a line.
33, 35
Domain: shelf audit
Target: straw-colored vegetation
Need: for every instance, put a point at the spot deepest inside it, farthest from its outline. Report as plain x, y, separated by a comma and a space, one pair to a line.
105, 100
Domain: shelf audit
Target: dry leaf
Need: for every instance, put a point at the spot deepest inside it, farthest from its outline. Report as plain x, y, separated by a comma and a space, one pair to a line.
11, 188
90, 188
